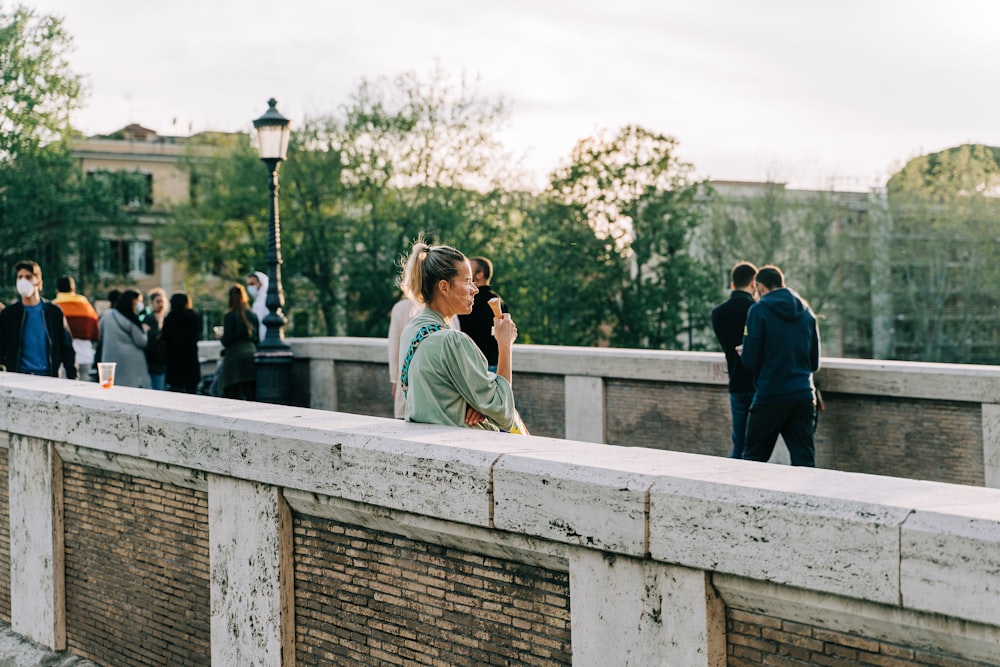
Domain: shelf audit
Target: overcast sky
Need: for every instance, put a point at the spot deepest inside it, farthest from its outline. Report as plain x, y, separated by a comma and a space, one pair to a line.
812, 93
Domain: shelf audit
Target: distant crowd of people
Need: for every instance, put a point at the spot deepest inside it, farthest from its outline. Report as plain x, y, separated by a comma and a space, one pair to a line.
154, 345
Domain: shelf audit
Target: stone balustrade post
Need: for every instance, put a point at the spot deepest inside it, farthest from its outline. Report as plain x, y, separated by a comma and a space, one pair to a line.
252, 588
633, 612
585, 409
991, 445
37, 585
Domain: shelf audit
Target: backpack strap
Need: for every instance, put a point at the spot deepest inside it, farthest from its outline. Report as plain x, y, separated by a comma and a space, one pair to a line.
424, 332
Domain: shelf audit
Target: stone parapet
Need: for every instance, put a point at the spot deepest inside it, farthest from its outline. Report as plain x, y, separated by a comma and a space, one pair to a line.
657, 544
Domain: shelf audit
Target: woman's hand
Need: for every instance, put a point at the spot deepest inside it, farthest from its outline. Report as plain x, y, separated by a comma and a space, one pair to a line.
473, 417
504, 330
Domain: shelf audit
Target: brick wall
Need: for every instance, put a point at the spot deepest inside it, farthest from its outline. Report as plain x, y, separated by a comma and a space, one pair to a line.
5, 534
918, 439
755, 639
137, 569
363, 389
541, 400
672, 416
369, 597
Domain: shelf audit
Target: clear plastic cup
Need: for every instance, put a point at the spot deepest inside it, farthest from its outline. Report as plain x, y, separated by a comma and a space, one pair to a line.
106, 374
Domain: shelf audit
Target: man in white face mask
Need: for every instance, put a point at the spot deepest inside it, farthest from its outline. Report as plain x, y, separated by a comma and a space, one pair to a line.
257, 283
34, 335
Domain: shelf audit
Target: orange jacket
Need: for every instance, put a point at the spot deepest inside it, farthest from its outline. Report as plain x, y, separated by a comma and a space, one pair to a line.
80, 314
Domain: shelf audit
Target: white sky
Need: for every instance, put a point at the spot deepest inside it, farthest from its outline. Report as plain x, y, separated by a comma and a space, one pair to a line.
815, 93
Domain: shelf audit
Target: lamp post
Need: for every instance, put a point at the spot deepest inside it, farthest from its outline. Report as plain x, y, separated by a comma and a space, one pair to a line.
274, 356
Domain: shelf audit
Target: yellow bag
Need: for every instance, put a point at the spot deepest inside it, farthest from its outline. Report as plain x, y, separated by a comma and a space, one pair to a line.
519, 428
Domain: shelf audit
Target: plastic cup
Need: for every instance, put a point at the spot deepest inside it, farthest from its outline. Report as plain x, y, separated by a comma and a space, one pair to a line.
106, 374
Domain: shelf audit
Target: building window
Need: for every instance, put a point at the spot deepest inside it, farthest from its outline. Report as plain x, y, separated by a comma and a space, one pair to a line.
134, 189
123, 257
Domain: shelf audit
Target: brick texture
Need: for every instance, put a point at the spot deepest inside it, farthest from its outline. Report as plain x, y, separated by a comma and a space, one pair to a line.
374, 598
756, 639
137, 570
541, 400
363, 388
5, 534
940, 441
672, 416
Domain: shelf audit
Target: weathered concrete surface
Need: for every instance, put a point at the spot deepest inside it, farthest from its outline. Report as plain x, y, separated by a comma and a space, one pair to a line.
890, 553
636, 613
991, 445
322, 384
16, 651
251, 562
581, 493
961, 534
822, 530
37, 586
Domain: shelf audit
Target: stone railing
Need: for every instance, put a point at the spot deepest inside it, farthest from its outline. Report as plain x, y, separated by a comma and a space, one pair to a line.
242, 533
937, 422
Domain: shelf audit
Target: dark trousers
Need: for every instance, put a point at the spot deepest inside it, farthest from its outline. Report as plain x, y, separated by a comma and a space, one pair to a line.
795, 422
739, 405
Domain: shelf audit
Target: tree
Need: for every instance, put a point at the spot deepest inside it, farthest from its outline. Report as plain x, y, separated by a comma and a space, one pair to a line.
48, 211
38, 90
944, 264
401, 159
560, 280
636, 192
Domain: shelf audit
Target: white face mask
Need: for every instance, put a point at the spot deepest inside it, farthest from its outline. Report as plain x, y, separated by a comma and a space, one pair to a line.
252, 291
25, 287
139, 307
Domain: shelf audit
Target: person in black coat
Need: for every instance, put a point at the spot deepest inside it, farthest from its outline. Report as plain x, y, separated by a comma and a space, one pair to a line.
479, 323
181, 332
728, 321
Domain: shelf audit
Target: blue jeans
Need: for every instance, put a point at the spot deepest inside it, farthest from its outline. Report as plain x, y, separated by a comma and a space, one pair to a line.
796, 422
158, 381
739, 404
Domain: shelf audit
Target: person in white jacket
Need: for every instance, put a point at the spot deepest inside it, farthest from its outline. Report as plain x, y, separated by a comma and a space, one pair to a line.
257, 289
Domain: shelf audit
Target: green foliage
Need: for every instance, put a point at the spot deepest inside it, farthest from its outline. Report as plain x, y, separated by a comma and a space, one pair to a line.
48, 211
38, 90
222, 230
559, 279
635, 191
358, 187
944, 263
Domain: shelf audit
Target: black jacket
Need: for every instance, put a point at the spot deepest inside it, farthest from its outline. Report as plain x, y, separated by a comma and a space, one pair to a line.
729, 319
479, 324
58, 338
181, 331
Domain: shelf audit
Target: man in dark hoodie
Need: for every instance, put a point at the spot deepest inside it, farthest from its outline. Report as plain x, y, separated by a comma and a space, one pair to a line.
781, 349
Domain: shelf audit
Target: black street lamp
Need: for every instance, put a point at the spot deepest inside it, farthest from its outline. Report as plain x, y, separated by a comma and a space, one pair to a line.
274, 356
